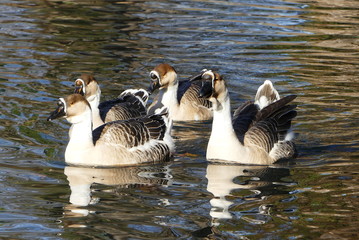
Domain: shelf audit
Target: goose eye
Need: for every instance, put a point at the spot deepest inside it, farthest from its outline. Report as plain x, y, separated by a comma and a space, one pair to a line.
153, 76
59, 103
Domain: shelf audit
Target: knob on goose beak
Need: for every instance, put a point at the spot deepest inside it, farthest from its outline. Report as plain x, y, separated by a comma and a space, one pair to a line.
155, 82
59, 112
79, 87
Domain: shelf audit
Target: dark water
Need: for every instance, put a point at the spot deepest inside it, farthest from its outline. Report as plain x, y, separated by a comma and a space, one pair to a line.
309, 48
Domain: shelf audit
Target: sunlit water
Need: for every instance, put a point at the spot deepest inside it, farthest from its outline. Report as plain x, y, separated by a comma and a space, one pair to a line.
308, 48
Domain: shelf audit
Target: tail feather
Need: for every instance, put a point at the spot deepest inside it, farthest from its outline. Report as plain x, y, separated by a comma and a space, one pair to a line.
141, 94
276, 107
284, 117
266, 94
284, 150
163, 113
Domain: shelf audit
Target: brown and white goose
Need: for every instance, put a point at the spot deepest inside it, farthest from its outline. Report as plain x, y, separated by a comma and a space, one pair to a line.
258, 133
125, 142
130, 104
180, 97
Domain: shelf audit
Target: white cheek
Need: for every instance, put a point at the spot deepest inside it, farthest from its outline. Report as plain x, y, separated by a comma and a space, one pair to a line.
83, 84
157, 75
63, 102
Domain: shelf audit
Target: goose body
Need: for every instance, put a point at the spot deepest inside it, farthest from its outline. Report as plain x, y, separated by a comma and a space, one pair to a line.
180, 97
258, 133
127, 142
130, 104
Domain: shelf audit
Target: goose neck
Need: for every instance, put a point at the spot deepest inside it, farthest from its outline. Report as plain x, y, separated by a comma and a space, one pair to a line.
170, 96
222, 117
81, 130
94, 103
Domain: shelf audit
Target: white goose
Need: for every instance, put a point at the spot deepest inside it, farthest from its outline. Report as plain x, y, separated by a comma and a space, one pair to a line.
180, 97
126, 142
258, 133
130, 104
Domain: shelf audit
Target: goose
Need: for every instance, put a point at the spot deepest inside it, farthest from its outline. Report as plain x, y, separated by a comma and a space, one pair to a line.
130, 104
180, 97
259, 132
123, 142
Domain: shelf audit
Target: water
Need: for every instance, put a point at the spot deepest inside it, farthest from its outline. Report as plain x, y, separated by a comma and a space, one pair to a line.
309, 48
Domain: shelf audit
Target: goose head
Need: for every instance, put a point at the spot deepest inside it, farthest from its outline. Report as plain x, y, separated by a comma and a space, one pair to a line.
74, 108
87, 86
162, 76
213, 86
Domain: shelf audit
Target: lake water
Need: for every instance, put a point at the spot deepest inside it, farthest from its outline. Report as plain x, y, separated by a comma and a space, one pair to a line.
308, 48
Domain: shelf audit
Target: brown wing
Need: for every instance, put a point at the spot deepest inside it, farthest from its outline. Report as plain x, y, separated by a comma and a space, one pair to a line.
265, 127
123, 108
243, 118
190, 93
131, 133
262, 134
156, 104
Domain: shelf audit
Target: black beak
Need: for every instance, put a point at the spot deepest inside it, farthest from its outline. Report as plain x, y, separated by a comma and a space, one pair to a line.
58, 113
79, 89
206, 89
206, 85
155, 84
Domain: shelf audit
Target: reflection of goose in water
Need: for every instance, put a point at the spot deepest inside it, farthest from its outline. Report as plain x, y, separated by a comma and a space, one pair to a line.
223, 179
221, 183
81, 179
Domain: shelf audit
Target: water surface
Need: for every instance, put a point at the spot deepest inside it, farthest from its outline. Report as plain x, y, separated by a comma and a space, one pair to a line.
309, 48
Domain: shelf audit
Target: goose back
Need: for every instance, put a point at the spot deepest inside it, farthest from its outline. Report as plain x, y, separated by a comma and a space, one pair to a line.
125, 107
188, 93
267, 127
131, 133
135, 141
